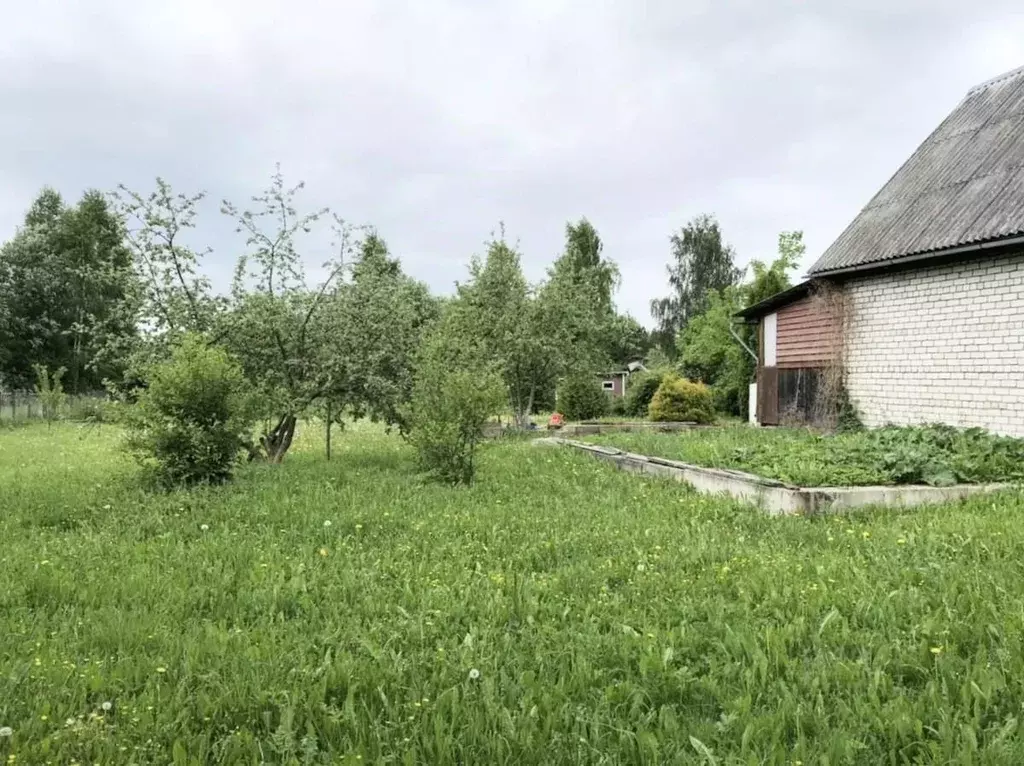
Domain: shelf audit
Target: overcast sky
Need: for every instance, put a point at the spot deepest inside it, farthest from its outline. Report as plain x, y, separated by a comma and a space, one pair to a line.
435, 120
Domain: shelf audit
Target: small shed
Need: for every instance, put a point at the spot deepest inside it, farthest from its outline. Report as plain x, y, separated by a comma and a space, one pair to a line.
614, 383
799, 340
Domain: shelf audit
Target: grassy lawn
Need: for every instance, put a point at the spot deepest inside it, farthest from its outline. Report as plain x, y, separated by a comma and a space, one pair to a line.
559, 611
915, 455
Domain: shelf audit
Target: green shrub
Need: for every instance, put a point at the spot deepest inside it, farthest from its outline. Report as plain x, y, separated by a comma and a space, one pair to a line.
847, 418
90, 409
640, 390
192, 420
682, 401
581, 397
450, 408
617, 406
50, 391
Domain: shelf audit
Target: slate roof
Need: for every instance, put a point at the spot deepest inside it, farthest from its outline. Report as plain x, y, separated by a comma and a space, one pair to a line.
964, 185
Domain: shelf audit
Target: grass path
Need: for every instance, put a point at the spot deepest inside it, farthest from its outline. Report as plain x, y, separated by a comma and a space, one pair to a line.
559, 611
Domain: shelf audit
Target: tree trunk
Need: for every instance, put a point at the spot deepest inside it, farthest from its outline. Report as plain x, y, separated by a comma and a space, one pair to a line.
522, 413
330, 421
277, 442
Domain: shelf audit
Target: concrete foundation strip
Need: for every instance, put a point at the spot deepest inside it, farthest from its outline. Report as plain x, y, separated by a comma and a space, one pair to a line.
776, 497
494, 430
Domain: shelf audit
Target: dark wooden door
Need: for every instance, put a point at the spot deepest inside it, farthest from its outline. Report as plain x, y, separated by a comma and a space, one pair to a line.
768, 396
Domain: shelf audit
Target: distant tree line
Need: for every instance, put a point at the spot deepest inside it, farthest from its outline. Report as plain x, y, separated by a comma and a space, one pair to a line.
694, 321
101, 293
69, 294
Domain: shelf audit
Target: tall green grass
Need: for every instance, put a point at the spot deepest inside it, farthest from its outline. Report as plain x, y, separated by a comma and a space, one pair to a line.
557, 611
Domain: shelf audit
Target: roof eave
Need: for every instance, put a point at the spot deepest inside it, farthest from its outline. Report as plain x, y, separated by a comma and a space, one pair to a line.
780, 299
930, 255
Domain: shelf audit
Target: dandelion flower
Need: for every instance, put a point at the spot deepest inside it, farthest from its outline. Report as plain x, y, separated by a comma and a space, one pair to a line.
323, 551
327, 523
901, 541
204, 527
641, 567
474, 674
161, 669
936, 650
44, 717
359, 526
106, 706
6, 731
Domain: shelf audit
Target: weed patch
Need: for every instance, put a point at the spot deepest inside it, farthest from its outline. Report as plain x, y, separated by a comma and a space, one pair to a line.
937, 455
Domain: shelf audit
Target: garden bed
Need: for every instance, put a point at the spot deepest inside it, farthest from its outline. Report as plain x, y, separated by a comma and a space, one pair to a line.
591, 428
775, 497
938, 456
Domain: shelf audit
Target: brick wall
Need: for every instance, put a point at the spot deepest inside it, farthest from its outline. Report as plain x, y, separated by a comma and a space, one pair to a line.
939, 344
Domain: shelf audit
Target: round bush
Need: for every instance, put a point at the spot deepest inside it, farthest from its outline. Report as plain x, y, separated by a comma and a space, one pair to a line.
582, 398
640, 390
191, 421
678, 400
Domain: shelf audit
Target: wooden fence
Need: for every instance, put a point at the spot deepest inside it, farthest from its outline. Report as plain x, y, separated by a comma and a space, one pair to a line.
20, 406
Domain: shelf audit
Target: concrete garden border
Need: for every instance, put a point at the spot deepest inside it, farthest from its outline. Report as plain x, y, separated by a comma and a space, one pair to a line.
592, 429
494, 430
775, 497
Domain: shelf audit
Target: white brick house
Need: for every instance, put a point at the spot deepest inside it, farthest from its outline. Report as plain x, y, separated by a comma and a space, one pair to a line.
941, 344
926, 319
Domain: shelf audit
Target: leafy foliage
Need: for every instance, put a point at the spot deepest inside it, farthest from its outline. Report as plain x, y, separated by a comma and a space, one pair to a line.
176, 296
68, 294
583, 268
192, 421
629, 341
50, 390
709, 352
342, 343
679, 400
616, 406
580, 397
276, 323
935, 454
769, 279
530, 335
451, 404
701, 263
641, 389
372, 330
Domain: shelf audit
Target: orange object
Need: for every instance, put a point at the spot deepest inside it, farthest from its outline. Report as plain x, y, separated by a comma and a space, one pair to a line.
556, 420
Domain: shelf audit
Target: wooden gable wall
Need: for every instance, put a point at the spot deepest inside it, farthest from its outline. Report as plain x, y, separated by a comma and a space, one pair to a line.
808, 336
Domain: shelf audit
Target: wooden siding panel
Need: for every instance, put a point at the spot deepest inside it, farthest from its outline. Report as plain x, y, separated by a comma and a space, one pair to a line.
768, 396
807, 335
